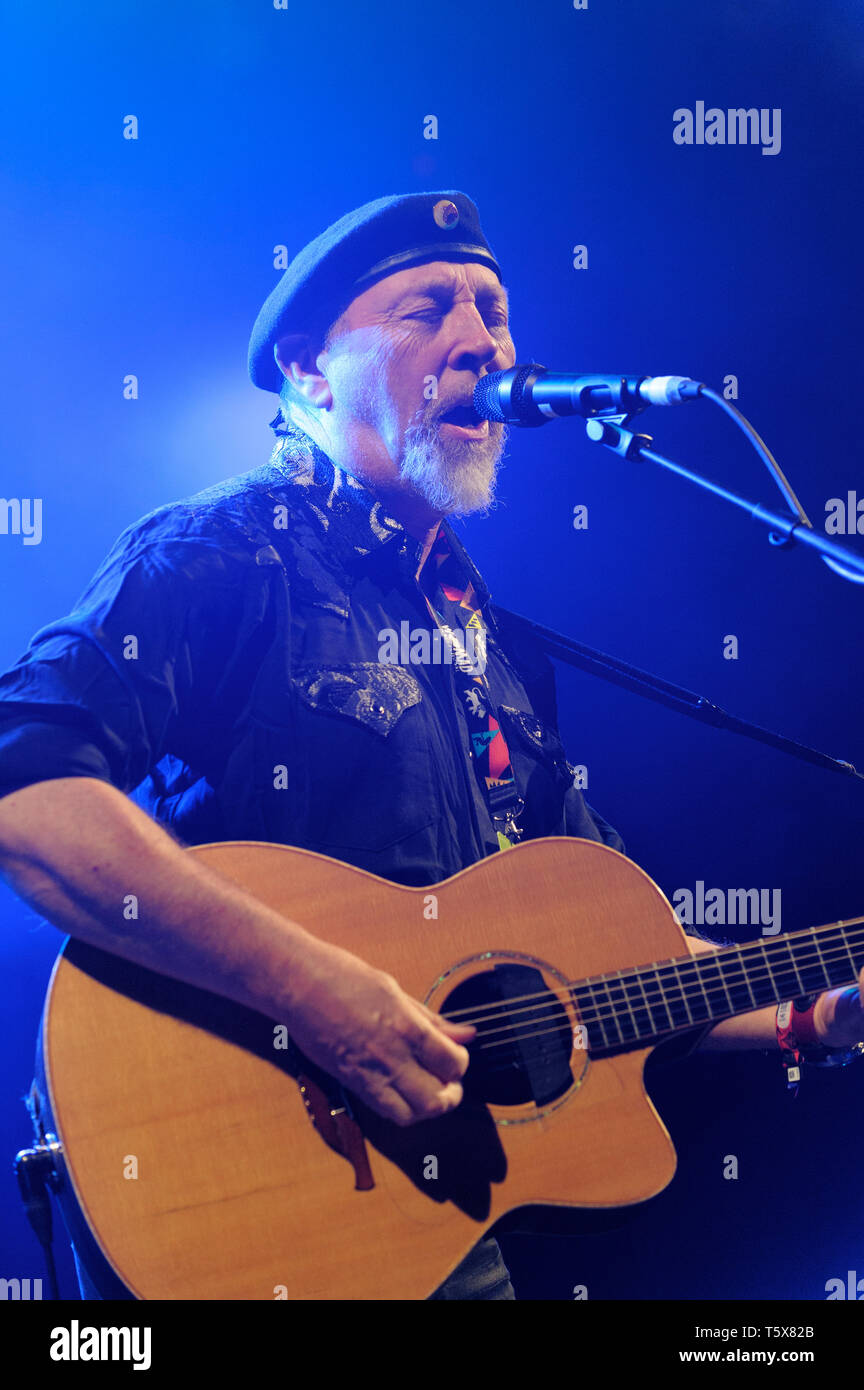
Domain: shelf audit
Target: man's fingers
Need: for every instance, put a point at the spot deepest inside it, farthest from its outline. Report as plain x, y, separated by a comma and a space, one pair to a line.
462, 1032
427, 1083
426, 1099
439, 1054
390, 1105
410, 1095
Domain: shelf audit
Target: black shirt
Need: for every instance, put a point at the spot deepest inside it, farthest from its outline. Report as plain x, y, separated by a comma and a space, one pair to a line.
223, 667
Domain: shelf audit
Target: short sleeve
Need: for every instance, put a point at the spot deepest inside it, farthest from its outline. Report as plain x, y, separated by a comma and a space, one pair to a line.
132, 672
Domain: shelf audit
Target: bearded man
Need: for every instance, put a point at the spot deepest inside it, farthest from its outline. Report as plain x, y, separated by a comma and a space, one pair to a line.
222, 677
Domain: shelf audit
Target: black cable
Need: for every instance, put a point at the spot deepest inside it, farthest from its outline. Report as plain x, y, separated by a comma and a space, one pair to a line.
762, 450
34, 1169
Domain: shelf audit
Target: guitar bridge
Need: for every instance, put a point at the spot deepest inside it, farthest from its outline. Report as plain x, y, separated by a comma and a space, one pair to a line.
334, 1120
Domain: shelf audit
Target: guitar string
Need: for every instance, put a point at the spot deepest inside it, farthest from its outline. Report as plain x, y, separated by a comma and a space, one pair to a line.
518, 1031
651, 998
674, 964
561, 1021
633, 1043
509, 1042
625, 1043
648, 1004
652, 975
523, 1032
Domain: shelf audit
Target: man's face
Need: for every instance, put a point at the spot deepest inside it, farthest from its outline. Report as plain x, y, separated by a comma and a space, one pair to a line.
408, 353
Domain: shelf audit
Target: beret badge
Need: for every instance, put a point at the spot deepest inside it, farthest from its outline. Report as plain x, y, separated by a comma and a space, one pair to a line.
366, 245
445, 213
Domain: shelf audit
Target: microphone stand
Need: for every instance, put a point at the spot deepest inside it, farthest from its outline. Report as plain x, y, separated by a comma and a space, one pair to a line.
611, 431
651, 687
785, 530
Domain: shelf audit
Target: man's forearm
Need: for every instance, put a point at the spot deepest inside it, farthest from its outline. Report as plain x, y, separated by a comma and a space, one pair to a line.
754, 1030
75, 849
758, 1029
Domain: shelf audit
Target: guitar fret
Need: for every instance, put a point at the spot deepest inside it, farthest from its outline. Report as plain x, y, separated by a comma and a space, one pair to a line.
708, 1013
596, 1014
613, 1012
852, 961
630, 1021
682, 991
638, 976
740, 993
768, 990
801, 989
747, 977
785, 976
631, 1007
813, 975
680, 1009
840, 975
610, 1016
640, 1011
719, 1004
663, 1003
674, 1002
826, 975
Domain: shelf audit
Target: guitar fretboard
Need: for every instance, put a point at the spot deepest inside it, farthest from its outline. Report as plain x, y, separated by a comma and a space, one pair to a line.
628, 1009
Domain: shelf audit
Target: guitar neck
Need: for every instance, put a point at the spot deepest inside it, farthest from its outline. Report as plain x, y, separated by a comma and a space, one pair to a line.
630, 1009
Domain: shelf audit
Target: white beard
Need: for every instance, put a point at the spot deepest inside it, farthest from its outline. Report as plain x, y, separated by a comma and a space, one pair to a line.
455, 476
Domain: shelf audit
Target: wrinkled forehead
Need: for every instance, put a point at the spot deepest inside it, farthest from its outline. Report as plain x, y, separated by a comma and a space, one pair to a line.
440, 280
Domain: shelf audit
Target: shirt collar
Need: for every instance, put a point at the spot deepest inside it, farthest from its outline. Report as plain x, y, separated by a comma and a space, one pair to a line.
354, 521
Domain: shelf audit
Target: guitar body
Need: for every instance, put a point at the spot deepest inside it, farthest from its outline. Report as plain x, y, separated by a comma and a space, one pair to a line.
201, 1149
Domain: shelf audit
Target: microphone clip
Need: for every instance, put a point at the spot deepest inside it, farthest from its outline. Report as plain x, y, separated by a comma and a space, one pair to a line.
610, 430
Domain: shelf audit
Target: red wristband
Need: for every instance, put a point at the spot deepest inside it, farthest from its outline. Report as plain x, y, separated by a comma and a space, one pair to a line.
795, 1032
803, 1026
795, 1027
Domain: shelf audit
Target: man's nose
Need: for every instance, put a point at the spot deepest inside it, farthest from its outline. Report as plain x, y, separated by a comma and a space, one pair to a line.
473, 344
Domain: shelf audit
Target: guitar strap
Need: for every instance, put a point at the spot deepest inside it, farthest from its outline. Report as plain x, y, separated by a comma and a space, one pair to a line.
443, 586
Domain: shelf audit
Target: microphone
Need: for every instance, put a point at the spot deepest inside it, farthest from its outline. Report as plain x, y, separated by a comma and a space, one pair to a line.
530, 395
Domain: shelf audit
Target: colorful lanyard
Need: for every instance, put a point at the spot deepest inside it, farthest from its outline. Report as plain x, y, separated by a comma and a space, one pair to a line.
441, 575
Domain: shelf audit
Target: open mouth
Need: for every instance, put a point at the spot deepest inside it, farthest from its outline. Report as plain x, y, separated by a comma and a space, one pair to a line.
464, 417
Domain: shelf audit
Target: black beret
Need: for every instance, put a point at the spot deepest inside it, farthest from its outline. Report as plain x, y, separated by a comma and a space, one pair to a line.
375, 240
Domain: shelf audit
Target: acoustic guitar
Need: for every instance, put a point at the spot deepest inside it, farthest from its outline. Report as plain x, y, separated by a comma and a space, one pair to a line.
211, 1160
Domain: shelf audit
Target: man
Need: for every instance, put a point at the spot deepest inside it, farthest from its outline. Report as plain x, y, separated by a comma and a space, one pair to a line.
226, 668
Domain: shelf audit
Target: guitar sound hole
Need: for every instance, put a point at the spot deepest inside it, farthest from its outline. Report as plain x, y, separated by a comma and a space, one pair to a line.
522, 1049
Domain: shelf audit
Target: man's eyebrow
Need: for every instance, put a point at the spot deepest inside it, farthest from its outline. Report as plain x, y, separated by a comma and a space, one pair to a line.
499, 294
488, 293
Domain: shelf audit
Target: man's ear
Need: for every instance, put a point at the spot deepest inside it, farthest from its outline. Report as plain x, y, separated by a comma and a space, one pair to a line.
297, 361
